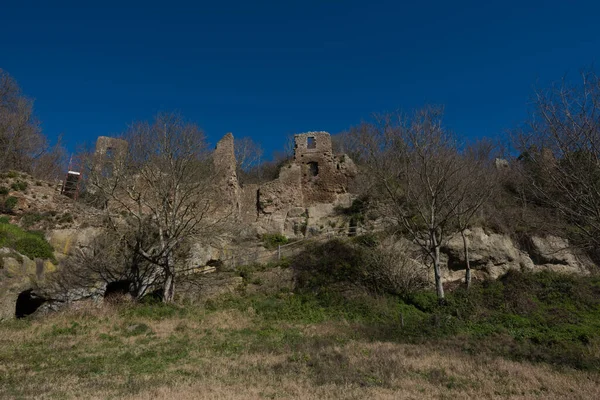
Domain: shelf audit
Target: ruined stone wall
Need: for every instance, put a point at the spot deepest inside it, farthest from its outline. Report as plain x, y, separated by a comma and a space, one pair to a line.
305, 192
249, 203
106, 145
278, 197
324, 175
227, 188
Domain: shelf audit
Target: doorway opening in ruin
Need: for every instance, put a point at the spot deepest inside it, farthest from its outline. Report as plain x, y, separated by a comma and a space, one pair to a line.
27, 303
311, 143
313, 168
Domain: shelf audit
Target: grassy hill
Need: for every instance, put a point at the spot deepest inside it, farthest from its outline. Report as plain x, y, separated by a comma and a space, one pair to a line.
524, 336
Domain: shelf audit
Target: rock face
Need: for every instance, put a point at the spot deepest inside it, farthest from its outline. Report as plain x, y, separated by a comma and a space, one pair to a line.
492, 254
18, 275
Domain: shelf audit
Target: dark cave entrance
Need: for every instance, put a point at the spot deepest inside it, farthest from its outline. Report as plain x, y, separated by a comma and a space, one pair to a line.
27, 303
118, 288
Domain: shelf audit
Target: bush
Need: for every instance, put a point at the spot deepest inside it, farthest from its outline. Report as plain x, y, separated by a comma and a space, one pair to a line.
30, 244
34, 247
30, 219
272, 240
10, 203
4, 220
3, 190
19, 185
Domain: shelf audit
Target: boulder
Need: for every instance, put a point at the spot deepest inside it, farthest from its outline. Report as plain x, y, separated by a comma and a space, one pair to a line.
492, 254
556, 254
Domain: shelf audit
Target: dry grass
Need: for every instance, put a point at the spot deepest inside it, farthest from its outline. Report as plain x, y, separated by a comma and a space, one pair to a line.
116, 352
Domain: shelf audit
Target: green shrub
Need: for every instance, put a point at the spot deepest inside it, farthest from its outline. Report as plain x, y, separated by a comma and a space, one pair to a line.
331, 263
30, 244
3, 190
367, 240
30, 219
33, 246
4, 220
272, 240
10, 203
19, 185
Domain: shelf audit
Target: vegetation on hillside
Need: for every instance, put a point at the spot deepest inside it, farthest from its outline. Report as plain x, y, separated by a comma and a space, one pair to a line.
29, 243
323, 345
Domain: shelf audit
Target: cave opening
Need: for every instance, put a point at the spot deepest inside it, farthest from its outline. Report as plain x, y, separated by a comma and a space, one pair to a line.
27, 303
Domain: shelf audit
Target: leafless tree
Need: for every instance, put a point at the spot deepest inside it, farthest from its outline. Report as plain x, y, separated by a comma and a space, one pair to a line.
106, 260
414, 163
560, 154
164, 184
476, 183
21, 140
248, 155
389, 268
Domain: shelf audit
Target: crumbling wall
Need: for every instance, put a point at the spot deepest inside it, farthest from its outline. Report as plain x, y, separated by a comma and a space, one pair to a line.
305, 192
249, 203
227, 188
324, 175
277, 197
106, 145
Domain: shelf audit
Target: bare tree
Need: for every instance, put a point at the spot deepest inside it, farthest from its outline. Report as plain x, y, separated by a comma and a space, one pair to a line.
164, 185
21, 140
476, 184
106, 260
389, 268
560, 154
248, 155
414, 163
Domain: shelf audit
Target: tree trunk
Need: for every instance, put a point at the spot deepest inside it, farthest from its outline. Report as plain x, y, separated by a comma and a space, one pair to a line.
168, 287
468, 263
436, 267
169, 284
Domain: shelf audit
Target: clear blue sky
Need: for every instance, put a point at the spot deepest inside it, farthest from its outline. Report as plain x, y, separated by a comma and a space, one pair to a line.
269, 68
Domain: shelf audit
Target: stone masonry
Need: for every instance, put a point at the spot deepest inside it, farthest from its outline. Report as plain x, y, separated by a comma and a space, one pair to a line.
307, 189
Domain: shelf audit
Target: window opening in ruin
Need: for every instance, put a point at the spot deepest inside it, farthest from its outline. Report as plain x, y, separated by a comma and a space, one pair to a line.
311, 143
313, 167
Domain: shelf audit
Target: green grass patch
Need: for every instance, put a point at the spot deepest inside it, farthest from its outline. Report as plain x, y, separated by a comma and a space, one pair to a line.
30, 244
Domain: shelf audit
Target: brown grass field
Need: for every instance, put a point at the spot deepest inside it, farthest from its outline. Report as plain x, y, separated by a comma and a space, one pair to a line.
120, 352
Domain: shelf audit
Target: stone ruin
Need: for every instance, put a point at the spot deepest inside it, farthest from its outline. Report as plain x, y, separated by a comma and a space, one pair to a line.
306, 191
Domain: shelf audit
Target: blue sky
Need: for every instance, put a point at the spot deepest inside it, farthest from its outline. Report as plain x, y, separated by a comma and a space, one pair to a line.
266, 69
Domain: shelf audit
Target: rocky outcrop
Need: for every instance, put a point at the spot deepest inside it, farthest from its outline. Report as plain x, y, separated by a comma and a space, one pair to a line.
19, 274
493, 254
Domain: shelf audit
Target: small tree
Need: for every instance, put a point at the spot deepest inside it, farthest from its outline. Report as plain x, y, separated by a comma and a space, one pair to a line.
248, 155
164, 185
23, 147
414, 163
560, 154
476, 183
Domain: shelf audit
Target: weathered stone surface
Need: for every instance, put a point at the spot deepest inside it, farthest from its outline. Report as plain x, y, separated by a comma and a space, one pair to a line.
492, 255
65, 240
556, 254
485, 251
